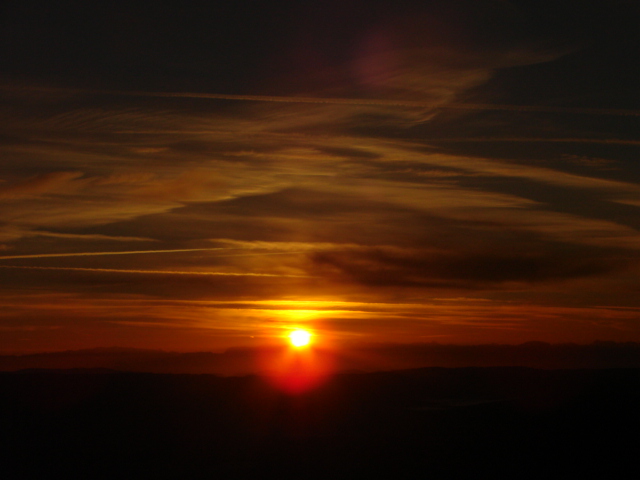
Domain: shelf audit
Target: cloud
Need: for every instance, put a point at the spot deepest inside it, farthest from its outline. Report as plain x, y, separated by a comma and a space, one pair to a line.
97, 254
385, 267
90, 237
286, 246
606, 141
150, 272
54, 182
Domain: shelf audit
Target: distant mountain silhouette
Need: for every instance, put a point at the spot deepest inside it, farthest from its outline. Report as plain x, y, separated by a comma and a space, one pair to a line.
229, 363
243, 361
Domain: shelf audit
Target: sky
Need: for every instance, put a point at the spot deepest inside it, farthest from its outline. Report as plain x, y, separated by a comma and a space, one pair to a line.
195, 176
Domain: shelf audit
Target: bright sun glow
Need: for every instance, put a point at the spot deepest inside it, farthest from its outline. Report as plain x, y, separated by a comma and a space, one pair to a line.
299, 338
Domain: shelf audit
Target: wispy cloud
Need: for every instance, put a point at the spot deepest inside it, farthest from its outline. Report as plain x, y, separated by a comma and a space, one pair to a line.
382, 102
40, 184
604, 141
153, 272
97, 254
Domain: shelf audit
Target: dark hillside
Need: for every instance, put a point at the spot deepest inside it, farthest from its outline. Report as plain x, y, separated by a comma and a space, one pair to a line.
499, 422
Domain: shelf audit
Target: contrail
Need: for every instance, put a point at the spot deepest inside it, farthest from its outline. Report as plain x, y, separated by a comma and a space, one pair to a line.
156, 272
95, 254
344, 101
135, 252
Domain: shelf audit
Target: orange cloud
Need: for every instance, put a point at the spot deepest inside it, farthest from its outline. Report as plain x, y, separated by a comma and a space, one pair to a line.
55, 182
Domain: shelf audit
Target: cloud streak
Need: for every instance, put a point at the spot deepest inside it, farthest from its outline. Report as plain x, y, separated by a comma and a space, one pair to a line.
98, 254
338, 101
379, 103
604, 141
155, 272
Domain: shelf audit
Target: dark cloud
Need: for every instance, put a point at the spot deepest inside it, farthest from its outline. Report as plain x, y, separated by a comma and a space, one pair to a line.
38, 185
442, 269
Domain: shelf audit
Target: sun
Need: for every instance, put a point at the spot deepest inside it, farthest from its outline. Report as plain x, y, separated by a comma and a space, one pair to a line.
300, 338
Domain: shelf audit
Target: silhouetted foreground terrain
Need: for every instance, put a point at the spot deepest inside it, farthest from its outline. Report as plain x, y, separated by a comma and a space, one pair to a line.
425, 423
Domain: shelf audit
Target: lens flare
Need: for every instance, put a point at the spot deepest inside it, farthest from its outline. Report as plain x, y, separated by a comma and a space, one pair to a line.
301, 366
